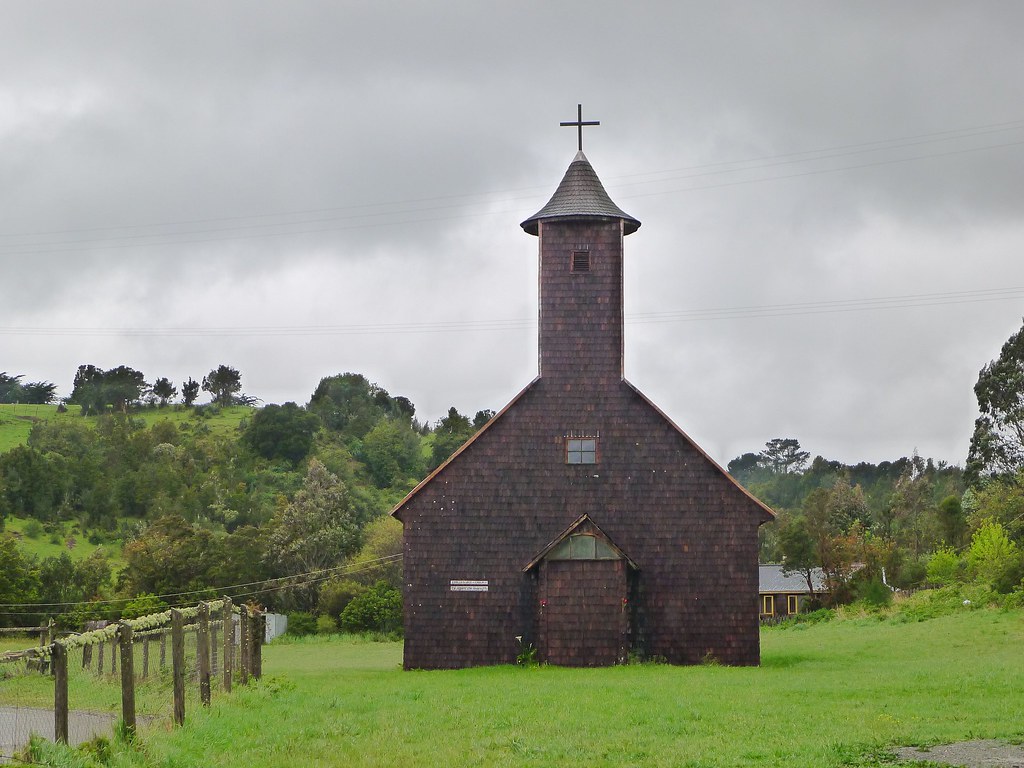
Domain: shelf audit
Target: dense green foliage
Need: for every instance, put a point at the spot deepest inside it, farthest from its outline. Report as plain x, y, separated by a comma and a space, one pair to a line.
269, 504
13, 390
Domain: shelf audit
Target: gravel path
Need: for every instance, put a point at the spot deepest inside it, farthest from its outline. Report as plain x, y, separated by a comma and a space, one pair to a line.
970, 754
17, 723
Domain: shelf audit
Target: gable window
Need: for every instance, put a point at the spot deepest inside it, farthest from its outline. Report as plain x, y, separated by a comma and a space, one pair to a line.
768, 605
792, 604
581, 261
584, 546
581, 450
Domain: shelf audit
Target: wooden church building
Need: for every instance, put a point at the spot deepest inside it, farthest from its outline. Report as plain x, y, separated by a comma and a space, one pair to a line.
580, 521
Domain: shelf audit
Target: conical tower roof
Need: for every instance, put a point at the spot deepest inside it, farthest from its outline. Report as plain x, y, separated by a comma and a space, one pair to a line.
581, 195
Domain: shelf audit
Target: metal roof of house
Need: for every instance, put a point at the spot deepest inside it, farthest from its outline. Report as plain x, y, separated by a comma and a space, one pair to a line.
772, 579
581, 195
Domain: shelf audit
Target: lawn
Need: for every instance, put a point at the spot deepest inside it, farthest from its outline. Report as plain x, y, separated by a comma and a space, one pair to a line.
833, 694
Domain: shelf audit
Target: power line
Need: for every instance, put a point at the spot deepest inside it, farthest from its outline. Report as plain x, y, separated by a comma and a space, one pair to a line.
755, 311
414, 206
315, 575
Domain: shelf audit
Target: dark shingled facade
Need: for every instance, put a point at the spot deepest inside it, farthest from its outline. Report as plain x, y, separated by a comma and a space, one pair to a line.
580, 520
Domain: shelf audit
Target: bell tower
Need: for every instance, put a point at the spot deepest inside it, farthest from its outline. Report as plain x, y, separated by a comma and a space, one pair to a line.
580, 232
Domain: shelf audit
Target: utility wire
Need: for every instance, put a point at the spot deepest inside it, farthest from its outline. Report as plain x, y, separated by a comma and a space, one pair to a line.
411, 207
755, 311
321, 574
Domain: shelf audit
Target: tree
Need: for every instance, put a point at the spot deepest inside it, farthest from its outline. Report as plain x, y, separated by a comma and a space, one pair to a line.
95, 389
350, 404
10, 388
783, 455
391, 451
165, 390
30, 393
745, 466
189, 392
39, 392
316, 530
799, 554
122, 387
482, 417
87, 389
951, 520
171, 555
993, 558
449, 435
222, 383
826, 534
997, 446
378, 609
19, 580
282, 432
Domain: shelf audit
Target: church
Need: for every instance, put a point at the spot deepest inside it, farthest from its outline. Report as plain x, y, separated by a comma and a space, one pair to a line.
580, 525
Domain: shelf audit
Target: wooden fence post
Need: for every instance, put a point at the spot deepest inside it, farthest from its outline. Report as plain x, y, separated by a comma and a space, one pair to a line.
145, 657
99, 660
243, 647
178, 664
163, 649
259, 629
203, 651
113, 654
86, 656
124, 632
229, 643
59, 660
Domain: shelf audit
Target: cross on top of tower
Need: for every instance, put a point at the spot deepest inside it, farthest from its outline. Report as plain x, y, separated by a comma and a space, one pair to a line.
579, 124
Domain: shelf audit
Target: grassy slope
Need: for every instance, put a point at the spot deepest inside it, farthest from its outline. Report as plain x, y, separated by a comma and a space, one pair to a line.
41, 546
827, 695
16, 421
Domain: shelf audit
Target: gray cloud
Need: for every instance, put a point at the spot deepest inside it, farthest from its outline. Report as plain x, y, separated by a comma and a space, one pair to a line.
290, 172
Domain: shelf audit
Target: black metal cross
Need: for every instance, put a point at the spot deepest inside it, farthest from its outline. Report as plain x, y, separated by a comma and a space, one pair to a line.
579, 124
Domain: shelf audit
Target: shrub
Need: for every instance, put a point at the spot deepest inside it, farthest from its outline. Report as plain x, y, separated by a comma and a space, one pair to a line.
944, 567
994, 559
301, 623
378, 609
326, 625
874, 593
335, 594
33, 529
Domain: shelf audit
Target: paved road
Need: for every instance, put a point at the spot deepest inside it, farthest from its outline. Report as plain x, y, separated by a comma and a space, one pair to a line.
17, 723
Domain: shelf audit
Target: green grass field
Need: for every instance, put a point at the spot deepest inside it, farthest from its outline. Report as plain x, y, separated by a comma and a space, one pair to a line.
16, 421
834, 694
69, 540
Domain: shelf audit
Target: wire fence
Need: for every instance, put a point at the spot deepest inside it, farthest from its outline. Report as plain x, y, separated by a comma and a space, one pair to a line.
160, 662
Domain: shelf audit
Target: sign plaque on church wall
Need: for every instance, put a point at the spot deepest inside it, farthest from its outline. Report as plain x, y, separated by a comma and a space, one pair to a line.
468, 585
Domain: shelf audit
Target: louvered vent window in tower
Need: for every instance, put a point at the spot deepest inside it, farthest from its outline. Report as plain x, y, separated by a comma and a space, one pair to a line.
581, 261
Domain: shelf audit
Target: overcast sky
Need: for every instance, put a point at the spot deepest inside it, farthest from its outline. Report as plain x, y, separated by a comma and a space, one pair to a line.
831, 200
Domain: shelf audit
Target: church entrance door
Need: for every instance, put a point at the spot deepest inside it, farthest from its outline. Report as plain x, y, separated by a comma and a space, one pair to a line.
584, 618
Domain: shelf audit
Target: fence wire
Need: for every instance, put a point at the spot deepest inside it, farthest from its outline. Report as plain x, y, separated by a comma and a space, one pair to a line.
95, 668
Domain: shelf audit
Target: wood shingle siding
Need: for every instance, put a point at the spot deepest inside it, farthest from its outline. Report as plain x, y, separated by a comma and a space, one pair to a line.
686, 586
